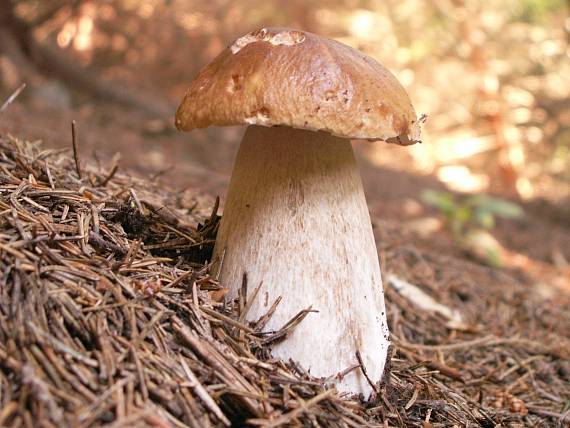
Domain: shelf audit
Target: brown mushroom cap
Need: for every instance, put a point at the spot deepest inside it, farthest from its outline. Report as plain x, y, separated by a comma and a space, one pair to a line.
279, 76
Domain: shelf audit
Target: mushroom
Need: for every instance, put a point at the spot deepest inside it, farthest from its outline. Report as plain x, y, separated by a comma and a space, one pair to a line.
295, 217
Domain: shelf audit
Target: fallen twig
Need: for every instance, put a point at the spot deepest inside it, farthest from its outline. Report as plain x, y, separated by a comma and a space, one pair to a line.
12, 97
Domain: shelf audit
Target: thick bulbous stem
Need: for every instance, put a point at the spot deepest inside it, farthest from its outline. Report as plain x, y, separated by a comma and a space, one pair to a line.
296, 221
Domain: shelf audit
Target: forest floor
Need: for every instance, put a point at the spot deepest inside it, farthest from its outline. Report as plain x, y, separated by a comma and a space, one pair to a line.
507, 361
202, 161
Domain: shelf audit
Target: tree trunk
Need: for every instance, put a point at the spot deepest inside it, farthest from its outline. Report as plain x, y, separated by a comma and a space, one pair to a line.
49, 59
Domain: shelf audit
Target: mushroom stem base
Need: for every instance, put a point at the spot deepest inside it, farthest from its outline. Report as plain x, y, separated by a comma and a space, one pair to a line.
296, 222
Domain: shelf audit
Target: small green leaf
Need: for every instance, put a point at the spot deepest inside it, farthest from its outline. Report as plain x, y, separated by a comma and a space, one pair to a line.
463, 213
443, 201
484, 218
503, 208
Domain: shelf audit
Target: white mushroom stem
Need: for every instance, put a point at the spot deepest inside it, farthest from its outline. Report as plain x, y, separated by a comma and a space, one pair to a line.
296, 221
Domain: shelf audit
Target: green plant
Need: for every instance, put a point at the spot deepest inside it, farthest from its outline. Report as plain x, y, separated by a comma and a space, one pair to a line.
466, 213
535, 11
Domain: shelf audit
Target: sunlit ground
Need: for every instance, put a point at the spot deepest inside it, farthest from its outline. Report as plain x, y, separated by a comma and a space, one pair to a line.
493, 79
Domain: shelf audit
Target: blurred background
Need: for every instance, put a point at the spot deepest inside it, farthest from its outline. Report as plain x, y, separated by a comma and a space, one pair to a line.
492, 176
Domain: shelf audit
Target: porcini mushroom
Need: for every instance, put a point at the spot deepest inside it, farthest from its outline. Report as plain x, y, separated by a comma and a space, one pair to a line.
295, 217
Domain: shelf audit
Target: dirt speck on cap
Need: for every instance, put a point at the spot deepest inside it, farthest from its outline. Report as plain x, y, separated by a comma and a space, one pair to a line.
284, 38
